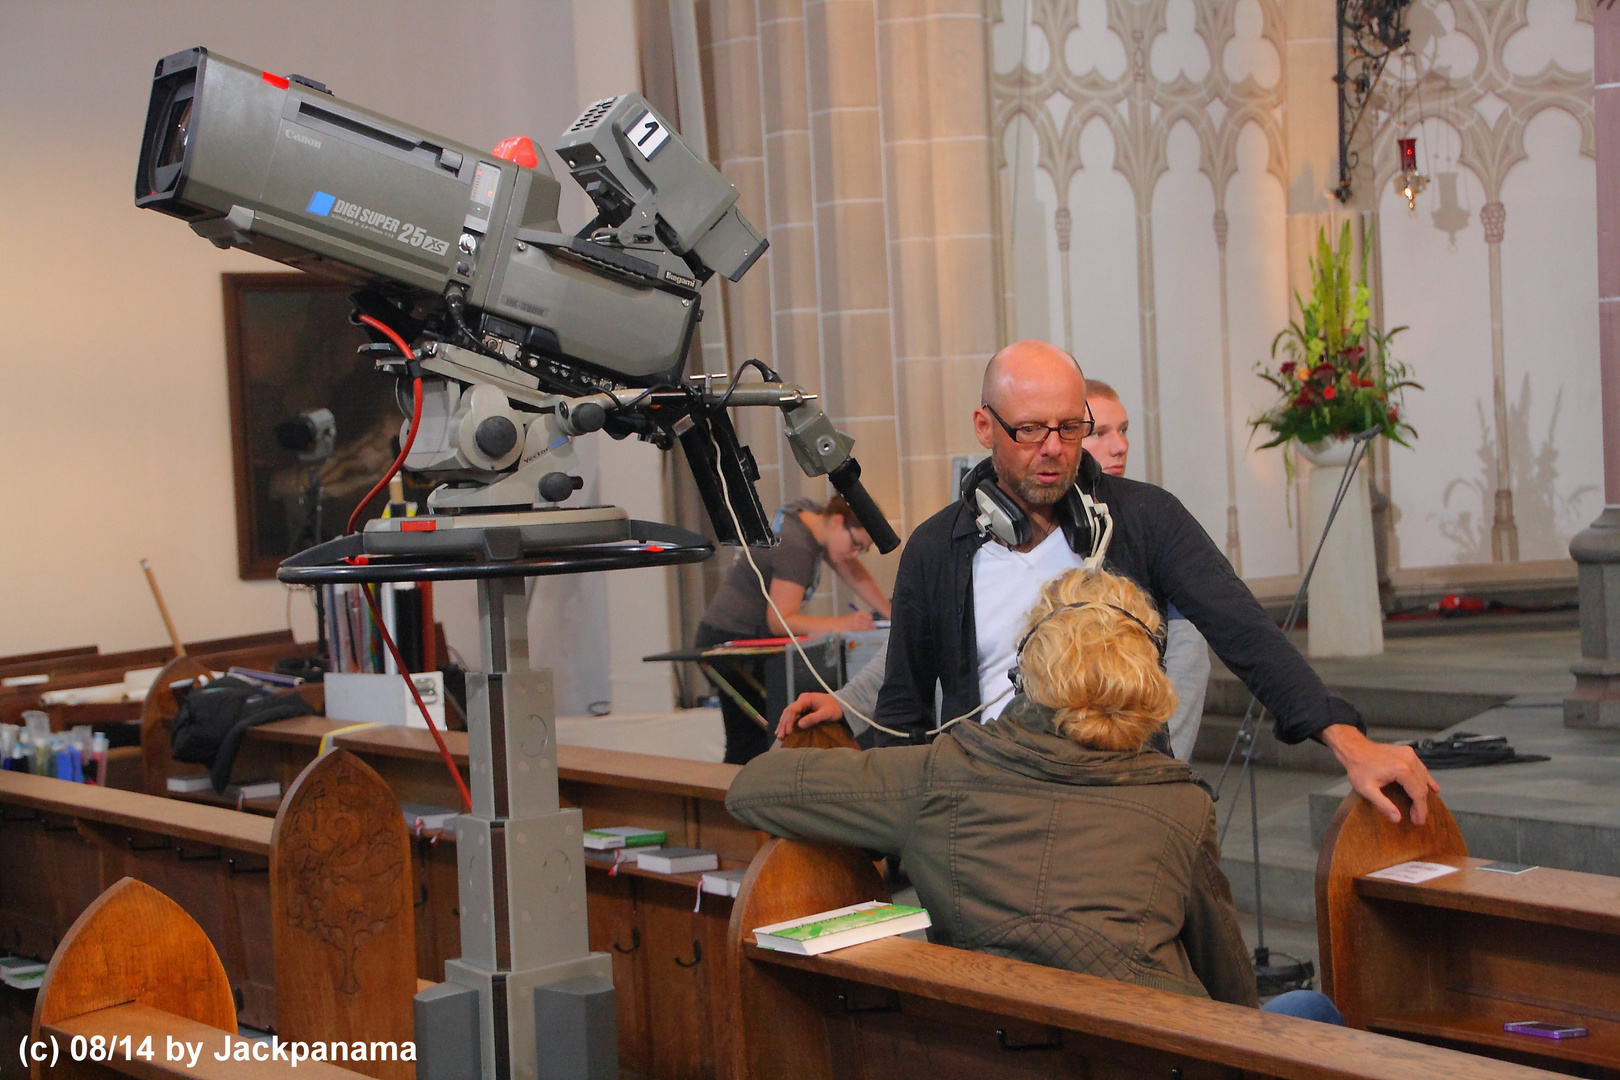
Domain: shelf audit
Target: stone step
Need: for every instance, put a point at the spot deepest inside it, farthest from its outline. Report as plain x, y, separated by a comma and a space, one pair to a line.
1216, 733
1287, 863
1381, 706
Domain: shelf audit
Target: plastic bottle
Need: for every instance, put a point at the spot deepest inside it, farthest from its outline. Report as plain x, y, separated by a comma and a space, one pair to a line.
95, 769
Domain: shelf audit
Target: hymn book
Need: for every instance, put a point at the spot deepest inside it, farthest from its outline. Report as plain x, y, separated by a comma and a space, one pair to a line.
841, 928
623, 836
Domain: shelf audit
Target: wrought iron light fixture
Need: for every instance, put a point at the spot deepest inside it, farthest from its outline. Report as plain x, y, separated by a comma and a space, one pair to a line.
1409, 181
1369, 33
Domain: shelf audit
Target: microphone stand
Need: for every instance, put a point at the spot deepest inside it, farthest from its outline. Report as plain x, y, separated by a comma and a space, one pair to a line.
1275, 978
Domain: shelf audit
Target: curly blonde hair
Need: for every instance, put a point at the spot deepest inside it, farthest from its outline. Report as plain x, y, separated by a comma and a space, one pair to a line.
1095, 665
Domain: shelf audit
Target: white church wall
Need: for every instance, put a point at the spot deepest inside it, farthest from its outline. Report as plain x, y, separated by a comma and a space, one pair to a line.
1186, 269
1257, 275
115, 416
1177, 107
1102, 265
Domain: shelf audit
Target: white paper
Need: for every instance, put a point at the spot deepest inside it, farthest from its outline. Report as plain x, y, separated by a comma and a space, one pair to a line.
1413, 873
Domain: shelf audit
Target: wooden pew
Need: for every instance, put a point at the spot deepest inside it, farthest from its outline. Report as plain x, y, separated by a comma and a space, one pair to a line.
135, 966
158, 711
665, 955
318, 900
94, 669
904, 1008
1449, 961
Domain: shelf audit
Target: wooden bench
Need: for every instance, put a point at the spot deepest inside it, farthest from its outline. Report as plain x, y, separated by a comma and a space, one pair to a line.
1452, 959
311, 913
135, 967
665, 955
904, 1008
94, 669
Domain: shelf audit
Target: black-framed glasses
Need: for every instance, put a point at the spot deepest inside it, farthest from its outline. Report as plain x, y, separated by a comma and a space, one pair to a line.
1033, 434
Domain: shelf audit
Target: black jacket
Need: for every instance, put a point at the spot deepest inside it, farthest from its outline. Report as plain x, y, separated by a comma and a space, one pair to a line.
1159, 546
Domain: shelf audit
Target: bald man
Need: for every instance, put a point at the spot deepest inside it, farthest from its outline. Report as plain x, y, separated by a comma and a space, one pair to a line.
960, 595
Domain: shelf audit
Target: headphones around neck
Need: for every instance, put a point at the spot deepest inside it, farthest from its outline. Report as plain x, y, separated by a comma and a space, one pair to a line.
1160, 640
1085, 521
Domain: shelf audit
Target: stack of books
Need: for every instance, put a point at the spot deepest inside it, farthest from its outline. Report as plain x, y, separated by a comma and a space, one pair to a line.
20, 973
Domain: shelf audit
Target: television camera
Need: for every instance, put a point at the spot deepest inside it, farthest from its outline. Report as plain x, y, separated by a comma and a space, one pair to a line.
524, 337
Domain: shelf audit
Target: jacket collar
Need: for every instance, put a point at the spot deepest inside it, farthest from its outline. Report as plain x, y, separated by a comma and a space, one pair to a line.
1022, 740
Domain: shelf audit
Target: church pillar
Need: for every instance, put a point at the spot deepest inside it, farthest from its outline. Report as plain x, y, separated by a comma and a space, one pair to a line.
737, 146
934, 84
1504, 532
1596, 701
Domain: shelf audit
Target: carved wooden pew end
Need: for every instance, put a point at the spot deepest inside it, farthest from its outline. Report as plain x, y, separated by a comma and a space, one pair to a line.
135, 977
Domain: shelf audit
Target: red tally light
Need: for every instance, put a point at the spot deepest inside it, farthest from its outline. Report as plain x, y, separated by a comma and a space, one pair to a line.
518, 150
409, 525
1408, 154
276, 81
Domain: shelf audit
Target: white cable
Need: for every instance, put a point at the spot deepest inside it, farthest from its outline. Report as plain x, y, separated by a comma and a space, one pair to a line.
725, 491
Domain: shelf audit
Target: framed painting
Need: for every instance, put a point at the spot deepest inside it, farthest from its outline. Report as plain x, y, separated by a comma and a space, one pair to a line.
289, 351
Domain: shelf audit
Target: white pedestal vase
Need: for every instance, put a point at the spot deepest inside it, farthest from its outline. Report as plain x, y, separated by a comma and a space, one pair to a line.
1344, 616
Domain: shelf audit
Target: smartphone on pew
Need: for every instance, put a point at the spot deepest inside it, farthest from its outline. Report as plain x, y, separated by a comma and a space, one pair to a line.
1543, 1030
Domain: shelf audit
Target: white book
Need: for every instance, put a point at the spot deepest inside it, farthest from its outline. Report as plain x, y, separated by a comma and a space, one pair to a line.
723, 882
841, 928
622, 836
678, 860
254, 789
422, 816
185, 784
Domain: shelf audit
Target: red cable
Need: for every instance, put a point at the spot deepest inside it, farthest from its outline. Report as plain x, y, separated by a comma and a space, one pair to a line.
371, 602
399, 662
416, 420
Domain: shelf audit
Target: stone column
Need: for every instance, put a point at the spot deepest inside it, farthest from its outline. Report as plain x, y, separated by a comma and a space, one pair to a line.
854, 254
934, 85
790, 219
1234, 553
1063, 226
737, 145
1596, 701
1504, 533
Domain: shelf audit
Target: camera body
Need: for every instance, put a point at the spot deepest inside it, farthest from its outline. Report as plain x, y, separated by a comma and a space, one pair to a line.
449, 238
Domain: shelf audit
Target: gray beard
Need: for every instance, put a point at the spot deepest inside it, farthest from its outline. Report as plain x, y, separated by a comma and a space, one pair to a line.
1038, 494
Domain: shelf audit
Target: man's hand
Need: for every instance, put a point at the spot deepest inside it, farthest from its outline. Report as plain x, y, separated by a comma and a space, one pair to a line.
1372, 766
806, 711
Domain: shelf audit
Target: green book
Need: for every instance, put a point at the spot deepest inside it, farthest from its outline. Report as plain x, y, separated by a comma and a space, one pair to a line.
623, 836
841, 928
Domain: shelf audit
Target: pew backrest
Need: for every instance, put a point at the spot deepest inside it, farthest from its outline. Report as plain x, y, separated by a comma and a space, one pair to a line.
900, 1007
135, 967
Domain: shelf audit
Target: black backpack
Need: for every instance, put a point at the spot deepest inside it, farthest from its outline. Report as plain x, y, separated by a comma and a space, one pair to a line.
212, 720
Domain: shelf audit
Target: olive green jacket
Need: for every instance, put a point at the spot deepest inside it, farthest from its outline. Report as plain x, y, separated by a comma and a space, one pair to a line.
1025, 844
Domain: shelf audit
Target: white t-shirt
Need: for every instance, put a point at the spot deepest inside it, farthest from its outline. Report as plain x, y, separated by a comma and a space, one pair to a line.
1006, 584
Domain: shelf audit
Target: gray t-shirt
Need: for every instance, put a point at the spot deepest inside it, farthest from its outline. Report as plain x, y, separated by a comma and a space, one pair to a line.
739, 607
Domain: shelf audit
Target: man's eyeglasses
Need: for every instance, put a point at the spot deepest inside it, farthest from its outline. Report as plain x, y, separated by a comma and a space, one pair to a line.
1033, 434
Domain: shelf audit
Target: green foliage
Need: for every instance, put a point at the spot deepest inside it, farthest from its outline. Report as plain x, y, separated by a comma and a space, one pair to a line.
1338, 378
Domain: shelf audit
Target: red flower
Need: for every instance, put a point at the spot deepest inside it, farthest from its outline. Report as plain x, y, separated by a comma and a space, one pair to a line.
1394, 413
1330, 393
1288, 367
1324, 371
1355, 353
1303, 401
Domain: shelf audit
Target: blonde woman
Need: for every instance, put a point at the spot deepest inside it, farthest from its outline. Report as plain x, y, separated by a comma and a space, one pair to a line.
1051, 834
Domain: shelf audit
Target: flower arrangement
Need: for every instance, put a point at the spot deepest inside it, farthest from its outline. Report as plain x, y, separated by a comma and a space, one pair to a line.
1338, 379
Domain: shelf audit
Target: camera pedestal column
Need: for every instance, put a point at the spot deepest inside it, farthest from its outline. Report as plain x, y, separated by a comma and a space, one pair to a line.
521, 869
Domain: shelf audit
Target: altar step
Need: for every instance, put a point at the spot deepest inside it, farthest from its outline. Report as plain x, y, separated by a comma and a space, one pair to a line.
1562, 813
